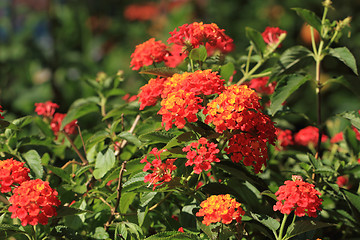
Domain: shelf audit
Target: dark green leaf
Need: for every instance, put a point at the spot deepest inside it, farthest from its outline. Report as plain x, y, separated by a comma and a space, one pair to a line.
157, 137
351, 140
227, 70
63, 211
134, 182
176, 141
33, 159
79, 108
173, 235
256, 40
268, 221
285, 87
130, 138
141, 214
354, 118
292, 59
303, 226
103, 163
43, 126
59, 172
22, 122
198, 54
146, 198
344, 55
269, 194
126, 200
64, 231
309, 17
13, 228
354, 199
161, 71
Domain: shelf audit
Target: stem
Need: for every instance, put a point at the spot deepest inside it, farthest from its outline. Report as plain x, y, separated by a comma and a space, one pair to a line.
83, 159
248, 59
282, 227
192, 65
161, 201
82, 140
248, 75
123, 143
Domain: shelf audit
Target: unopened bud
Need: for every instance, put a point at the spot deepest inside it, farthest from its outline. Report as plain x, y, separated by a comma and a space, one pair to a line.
327, 3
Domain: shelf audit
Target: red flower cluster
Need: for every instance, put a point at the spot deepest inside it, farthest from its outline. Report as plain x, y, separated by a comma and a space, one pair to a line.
337, 138
148, 53
176, 56
141, 12
195, 34
271, 35
342, 181
220, 208
55, 124
201, 153
261, 86
284, 138
161, 172
177, 106
151, 92
46, 109
357, 133
309, 135
12, 172
1, 117
34, 202
299, 196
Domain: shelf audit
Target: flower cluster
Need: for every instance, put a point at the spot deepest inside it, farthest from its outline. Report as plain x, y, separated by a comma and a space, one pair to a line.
201, 154
55, 124
271, 35
161, 172
151, 92
284, 138
141, 12
34, 202
195, 34
148, 53
220, 208
299, 196
46, 109
261, 85
308, 136
177, 106
12, 172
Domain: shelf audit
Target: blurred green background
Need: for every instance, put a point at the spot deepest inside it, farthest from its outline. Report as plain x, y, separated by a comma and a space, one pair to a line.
48, 47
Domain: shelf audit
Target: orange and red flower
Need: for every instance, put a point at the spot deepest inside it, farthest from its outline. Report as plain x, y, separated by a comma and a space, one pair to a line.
151, 92
12, 172
161, 172
220, 208
201, 154
34, 202
298, 196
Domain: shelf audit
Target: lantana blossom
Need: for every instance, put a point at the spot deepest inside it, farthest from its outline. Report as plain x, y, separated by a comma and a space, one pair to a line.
151, 92
220, 208
298, 196
46, 109
34, 202
160, 171
271, 35
12, 173
201, 154
261, 85
308, 136
55, 124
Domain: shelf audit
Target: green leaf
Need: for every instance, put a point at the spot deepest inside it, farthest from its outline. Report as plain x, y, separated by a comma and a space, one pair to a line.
269, 194
227, 70
303, 226
43, 126
176, 141
157, 137
256, 40
130, 138
103, 163
33, 159
309, 17
78, 109
354, 199
13, 228
146, 198
100, 233
351, 140
344, 55
292, 59
173, 235
64, 231
126, 200
63, 211
59, 172
141, 214
268, 221
134, 182
162, 71
353, 116
284, 88
198, 54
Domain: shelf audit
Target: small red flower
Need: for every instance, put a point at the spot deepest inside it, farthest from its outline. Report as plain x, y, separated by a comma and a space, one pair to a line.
55, 124
151, 92
1, 117
220, 208
309, 135
284, 138
357, 133
147, 53
161, 172
141, 12
46, 109
261, 86
181, 229
298, 196
34, 202
337, 138
201, 154
271, 35
128, 98
342, 181
12, 172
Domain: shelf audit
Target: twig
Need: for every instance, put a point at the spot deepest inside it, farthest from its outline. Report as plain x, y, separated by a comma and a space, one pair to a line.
83, 159
124, 142
161, 201
70, 162
82, 140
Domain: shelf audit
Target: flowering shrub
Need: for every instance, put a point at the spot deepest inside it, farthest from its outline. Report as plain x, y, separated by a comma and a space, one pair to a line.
12, 173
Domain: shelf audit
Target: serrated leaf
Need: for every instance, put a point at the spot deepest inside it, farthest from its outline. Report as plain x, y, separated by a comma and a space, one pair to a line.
173, 235
256, 40
309, 17
146, 198
59, 172
353, 116
344, 55
292, 59
79, 108
198, 54
157, 137
162, 71
7, 227
227, 70
33, 160
130, 138
103, 163
284, 88
268, 221
134, 182
303, 226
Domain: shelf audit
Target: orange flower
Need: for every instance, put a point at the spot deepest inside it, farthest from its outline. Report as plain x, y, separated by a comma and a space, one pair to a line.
12, 172
177, 106
34, 202
220, 208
